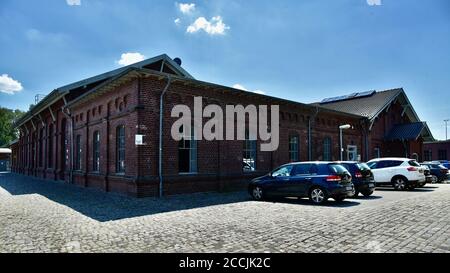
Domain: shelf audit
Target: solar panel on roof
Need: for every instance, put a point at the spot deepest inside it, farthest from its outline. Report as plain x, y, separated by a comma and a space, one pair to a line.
347, 97
366, 94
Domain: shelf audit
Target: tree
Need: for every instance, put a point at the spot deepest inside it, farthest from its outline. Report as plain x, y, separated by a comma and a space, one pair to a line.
7, 119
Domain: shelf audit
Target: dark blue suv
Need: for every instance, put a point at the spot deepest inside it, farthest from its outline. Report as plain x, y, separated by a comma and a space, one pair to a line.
317, 180
362, 177
438, 172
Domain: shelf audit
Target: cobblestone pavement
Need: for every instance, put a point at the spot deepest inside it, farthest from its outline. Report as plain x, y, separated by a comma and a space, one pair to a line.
42, 216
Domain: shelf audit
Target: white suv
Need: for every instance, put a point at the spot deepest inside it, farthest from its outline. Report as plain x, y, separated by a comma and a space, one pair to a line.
401, 173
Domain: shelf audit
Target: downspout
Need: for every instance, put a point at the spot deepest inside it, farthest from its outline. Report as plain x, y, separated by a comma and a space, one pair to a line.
69, 117
310, 123
161, 119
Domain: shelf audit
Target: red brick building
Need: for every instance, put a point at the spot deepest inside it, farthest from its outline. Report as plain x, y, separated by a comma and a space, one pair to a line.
436, 150
85, 133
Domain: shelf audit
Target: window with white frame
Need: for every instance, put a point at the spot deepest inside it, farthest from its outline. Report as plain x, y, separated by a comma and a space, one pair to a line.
187, 153
327, 149
120, 149
249, 154
294, 148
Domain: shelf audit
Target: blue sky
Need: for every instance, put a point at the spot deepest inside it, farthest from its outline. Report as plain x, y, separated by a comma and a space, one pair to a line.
299, 50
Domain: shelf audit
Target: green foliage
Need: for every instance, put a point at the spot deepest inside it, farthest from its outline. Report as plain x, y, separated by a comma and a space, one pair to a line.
7, 118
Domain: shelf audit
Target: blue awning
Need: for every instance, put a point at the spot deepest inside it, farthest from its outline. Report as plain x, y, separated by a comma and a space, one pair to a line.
409, 131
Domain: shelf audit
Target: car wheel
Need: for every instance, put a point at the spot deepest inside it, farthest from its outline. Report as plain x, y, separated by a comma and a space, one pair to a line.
367, 193
434, 179
257, 193
399, 184
318, 196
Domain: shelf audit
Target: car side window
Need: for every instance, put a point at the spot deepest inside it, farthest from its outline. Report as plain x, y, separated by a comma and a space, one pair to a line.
395, 163
373, 165
283, 171
302, 169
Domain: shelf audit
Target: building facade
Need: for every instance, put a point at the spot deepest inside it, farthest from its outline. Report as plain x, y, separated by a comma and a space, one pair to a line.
436, 150
86, 133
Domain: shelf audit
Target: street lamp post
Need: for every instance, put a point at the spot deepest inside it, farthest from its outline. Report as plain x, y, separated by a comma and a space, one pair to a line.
341, 128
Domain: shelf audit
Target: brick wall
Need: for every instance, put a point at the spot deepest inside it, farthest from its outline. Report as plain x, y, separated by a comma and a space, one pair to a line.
135, 105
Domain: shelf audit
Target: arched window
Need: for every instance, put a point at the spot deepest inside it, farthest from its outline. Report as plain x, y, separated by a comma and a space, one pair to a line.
78, 153
50, 146
41, 147
249, 153
120, 149
96, 151
294, 149
187, 153
327, 149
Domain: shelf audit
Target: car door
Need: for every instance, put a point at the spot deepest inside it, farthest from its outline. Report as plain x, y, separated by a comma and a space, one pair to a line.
281, 181
302, 176
379, 172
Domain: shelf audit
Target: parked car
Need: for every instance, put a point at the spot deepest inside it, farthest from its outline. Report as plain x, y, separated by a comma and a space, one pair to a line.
428, 176
317, 180
445, 163
362, 177
438, 172
401, 173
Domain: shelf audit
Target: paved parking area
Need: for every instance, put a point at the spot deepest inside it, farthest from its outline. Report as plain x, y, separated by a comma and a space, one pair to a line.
42, 216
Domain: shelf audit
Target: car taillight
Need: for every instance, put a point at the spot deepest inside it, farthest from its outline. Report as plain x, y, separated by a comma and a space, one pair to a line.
412, 169
334, 178
358, 175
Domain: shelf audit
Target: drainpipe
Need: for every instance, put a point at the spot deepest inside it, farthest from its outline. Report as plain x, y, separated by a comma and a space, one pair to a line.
161, 119
69, 117
310, 123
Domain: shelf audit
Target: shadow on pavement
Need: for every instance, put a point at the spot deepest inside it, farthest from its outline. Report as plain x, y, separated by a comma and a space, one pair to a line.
105, 207
425, 189
306, 202
361, 197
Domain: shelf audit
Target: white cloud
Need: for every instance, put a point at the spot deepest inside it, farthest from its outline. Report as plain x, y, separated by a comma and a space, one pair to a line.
73, 2
8, 85
186, 8
130, 58
177, 21
374, 2
241, 87
213, 27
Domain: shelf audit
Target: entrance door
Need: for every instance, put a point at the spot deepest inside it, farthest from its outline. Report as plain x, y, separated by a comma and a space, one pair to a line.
352, 153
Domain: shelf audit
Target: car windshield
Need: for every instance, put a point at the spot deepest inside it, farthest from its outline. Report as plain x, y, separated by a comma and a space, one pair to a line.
363, 167
414, 163
337, 169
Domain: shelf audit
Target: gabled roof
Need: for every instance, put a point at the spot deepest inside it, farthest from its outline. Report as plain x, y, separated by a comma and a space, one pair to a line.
367, 106
408, 131
161, 58
160, 63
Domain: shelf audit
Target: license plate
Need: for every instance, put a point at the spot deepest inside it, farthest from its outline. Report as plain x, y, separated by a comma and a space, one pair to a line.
349, 188
371, 185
